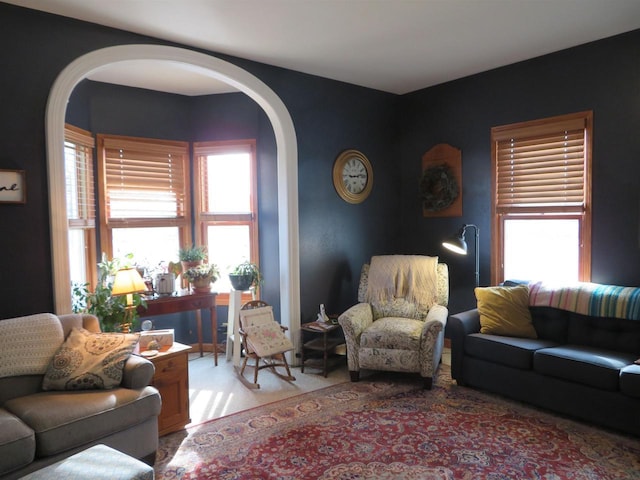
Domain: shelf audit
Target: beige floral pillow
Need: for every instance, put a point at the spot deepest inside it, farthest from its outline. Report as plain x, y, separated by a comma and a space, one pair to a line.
89, 361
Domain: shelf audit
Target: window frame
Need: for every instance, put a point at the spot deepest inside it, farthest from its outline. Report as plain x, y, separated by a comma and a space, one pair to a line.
203, 219
84, 140
582, 211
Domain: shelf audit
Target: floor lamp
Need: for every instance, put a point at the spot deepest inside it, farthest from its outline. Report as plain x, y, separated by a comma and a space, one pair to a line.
127, 282
458, 245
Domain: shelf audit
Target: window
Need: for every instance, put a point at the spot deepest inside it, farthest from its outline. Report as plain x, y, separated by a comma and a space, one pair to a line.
226, 205
144, 198
542, 199
78, 160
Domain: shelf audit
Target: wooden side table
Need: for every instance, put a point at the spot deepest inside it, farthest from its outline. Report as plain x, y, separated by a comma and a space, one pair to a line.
326, 337
185, 301
172, 381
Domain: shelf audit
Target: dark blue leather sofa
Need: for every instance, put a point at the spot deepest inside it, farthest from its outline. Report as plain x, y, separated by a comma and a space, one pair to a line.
580, 366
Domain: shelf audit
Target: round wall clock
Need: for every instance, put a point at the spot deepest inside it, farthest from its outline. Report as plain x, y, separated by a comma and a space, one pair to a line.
352, 176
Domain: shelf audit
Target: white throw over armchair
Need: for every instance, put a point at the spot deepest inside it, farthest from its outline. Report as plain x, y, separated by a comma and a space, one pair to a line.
399, 323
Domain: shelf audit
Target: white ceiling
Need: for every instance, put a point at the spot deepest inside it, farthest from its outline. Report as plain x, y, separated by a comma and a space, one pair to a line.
395, 46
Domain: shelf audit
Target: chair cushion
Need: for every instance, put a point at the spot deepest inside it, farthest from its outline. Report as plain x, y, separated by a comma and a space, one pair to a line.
267, 339
505, 311
393, 333
17, 443
587, 365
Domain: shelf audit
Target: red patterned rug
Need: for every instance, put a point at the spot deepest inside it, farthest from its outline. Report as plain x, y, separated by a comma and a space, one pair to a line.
393, 429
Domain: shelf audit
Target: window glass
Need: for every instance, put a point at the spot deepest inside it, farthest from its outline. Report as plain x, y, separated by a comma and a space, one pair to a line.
228, 245
542, 249
150, 246
229, 183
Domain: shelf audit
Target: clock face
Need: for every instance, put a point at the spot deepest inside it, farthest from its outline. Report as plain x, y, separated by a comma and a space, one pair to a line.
352, 176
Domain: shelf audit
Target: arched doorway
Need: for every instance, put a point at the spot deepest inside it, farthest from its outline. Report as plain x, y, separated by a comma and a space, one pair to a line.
287, 160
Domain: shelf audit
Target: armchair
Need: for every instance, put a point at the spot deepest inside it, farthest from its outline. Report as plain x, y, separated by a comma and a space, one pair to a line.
404, 331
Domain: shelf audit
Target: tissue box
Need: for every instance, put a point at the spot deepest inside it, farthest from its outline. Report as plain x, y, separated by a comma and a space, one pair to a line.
163, 337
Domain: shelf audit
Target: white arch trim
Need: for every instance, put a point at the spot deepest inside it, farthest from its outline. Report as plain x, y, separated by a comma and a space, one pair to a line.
287, 161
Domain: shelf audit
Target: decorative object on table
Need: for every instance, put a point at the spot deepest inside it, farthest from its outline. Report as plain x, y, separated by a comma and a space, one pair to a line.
244, 276
13, 187
202, 276
162, 338
110, 309
322, 316
441, 182
127, 282
457, 244
352, 176
192, 256
165, 283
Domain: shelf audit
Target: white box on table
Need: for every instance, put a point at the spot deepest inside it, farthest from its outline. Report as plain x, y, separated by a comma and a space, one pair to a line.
164, 337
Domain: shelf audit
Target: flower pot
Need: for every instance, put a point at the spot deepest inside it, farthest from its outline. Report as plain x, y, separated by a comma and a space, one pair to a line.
201, 285
187, 265
241, 282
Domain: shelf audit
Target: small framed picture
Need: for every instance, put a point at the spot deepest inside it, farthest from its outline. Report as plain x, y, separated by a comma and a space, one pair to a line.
12, 186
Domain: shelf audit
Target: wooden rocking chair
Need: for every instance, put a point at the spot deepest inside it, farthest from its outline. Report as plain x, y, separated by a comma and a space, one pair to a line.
264, 340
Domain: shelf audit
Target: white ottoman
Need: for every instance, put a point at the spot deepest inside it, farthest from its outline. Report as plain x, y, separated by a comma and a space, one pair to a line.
97, 463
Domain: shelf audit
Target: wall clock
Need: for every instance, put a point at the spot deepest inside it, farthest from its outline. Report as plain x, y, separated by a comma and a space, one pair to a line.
352, 176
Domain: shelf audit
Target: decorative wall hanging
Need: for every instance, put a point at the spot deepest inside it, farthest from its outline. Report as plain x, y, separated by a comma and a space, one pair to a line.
441, 182
12, 186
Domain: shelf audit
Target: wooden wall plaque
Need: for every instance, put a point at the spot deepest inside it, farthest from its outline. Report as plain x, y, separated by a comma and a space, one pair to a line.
441, 182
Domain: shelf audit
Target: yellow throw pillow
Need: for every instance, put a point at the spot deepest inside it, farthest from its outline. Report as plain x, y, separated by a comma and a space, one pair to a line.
505, 311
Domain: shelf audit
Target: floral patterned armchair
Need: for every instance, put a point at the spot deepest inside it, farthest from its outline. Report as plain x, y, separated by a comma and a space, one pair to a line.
396, 334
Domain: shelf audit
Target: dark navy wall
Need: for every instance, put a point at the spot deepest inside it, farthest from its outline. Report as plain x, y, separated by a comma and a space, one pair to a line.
604, 77
394, 132
328, 116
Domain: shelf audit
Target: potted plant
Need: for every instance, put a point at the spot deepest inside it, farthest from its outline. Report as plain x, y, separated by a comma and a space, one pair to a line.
245, 275
202, 276
110, 310
192, 256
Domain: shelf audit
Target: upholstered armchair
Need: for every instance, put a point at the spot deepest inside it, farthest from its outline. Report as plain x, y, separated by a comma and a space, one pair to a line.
402, 331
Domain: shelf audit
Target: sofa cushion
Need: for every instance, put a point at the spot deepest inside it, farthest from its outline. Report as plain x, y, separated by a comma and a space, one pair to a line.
17, 443
393, 333
590, 366
619, 334
89, 361
509, 351
65, 420
28, 343
550, 323
505, 311
630, 380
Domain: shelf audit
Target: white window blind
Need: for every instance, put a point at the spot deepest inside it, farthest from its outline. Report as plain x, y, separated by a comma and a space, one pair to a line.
541, 165
79, 177
144, 178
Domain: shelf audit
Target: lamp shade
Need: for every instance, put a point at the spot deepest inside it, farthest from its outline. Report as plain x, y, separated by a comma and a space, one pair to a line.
127, 281
456, 244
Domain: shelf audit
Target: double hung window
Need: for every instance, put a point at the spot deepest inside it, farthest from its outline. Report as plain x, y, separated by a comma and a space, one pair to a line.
79, 178
226, 205
144, 198
541, 199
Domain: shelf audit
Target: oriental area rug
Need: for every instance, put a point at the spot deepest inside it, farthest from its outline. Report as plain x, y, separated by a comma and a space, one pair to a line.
390, 428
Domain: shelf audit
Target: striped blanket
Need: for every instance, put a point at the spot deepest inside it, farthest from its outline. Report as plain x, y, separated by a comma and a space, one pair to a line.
588, 299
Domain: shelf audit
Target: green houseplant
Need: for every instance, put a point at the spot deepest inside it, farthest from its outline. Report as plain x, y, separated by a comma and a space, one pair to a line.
110, 310
201, 276
245, 275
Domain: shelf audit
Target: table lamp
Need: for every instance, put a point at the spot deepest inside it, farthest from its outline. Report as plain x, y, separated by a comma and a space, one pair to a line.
127, 282
457, 244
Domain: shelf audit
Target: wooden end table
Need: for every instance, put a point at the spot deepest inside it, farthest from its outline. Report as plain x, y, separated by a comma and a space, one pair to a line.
326, 337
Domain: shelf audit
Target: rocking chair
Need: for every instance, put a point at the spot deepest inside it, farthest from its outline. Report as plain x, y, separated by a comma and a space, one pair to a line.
264, 340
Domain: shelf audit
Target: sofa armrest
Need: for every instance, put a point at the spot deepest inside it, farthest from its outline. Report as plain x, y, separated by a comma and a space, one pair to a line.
138, 372
459, 326
353, 322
